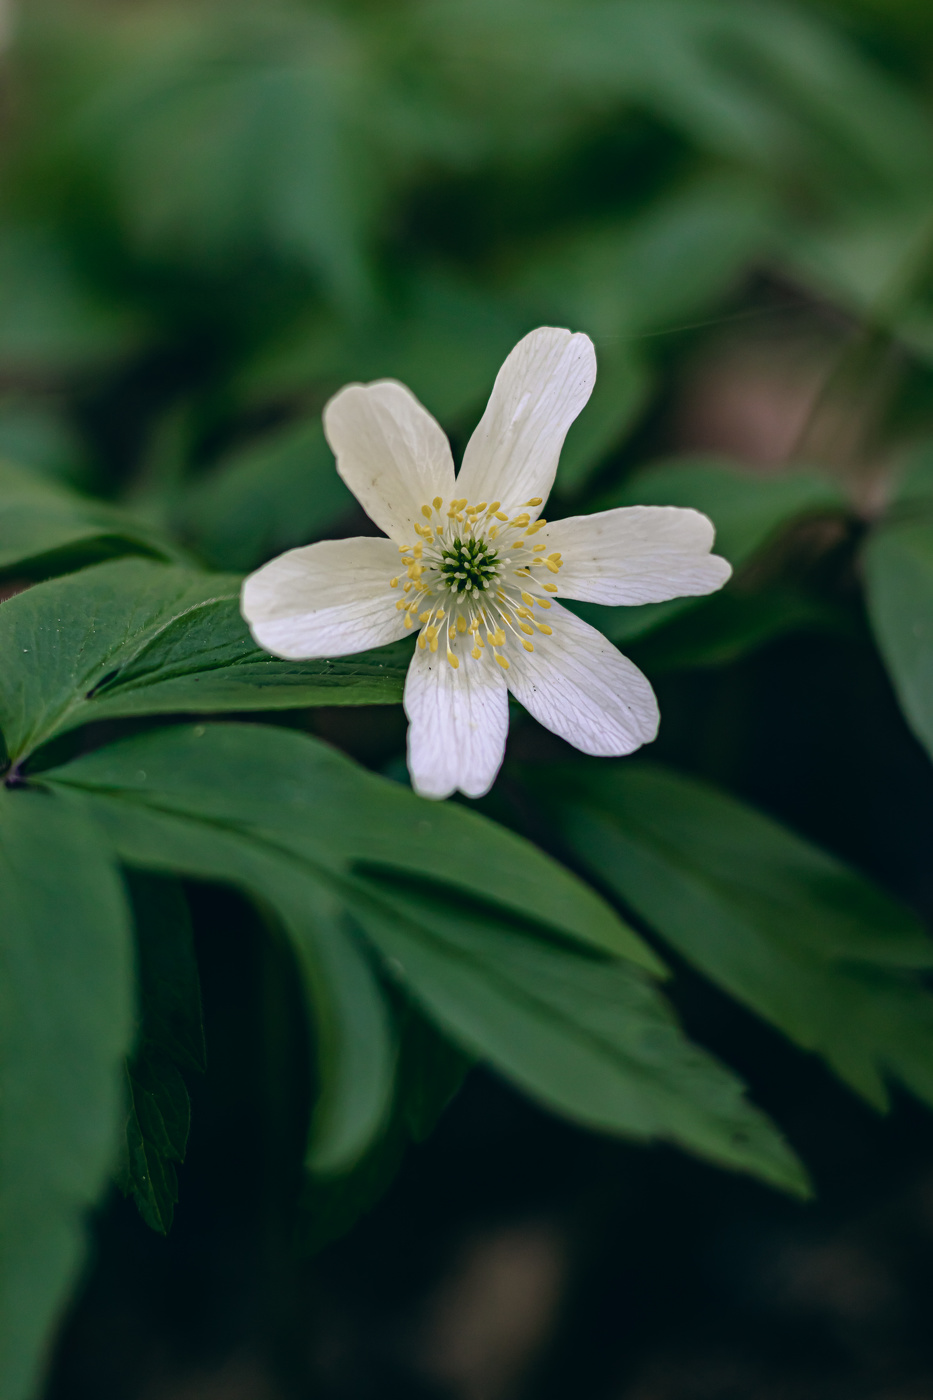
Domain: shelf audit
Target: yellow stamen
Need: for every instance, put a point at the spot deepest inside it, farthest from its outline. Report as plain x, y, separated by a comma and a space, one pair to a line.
546, 602
528, 646
535, 501
501, 515
426, 512
453, 661
393, 583
549, 588
543, 627
527, 598
476, 653
408, 620
503, 662
539, 548
523, 627
461, 623
553, 565
438, 502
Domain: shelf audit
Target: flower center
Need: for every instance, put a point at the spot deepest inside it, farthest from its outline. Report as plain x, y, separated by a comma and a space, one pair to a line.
468, 566
473, 579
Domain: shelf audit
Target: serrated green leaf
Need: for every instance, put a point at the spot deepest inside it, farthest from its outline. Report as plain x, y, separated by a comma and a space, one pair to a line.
316, 805
806, 942
65, 1026
46, 528
899, 577
137, 638
593, 1040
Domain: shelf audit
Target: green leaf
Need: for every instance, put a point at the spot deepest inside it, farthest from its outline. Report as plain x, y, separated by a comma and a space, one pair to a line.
732, 624
135, 638
281, 491
622, 386
315, 805
46, 528
749, 512
434, 887
591, 1039
899, 577
171, 1038
803, 940
65, 1026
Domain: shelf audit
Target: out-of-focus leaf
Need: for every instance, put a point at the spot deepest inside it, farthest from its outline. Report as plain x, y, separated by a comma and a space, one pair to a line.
221, 139
65, 1026
593, 1040
40, 439
279, 492
622, 386
899, 574
793, 933
50, 323
46, 528
137, 638
747, 511
732, 624
650, 273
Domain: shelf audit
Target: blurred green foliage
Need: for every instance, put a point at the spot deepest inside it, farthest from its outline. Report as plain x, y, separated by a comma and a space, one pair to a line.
212, 215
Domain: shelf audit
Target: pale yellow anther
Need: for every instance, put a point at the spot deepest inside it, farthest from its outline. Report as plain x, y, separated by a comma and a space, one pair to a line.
481, 506
555, 555
523, 627
503, 662
507, 617
553, 565
493, 532
528, 646
527, 598
422, 643
519, 544
494, 505
407, 587
543, 627
433, 644
546, 602
538, 525
539, 548
523, 612
453, 660
404, 548
535, 501
424, 617
408, 620
501, 515
521, 521
438, 502
431, 633
426, 512
400, 606
418, 550
461, 623
549, 587
393, 583
476, 653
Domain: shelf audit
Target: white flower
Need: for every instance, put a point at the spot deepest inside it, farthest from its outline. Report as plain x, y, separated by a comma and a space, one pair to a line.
472, 568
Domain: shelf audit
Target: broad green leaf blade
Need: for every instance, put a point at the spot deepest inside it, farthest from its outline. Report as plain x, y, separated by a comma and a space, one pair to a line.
354, 1054
65, 1026
793, 933
47, 528
748, 511
318, 806
899, 575
135, 638
591, 1039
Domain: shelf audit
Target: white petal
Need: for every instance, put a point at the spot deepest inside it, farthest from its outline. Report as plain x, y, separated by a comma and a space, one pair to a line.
544, 383
458, 723
579, 686
639, 554
392, 454
327, 599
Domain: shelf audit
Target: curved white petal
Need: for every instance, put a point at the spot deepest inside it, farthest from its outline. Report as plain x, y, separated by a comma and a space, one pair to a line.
544, 383
579, 686
327, 599
458, 723
637, 554
392, 454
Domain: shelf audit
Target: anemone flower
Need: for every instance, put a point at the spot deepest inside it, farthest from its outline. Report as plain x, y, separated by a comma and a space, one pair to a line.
470, 566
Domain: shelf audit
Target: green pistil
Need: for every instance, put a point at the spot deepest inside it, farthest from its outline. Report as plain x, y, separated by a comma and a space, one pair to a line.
468, 566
